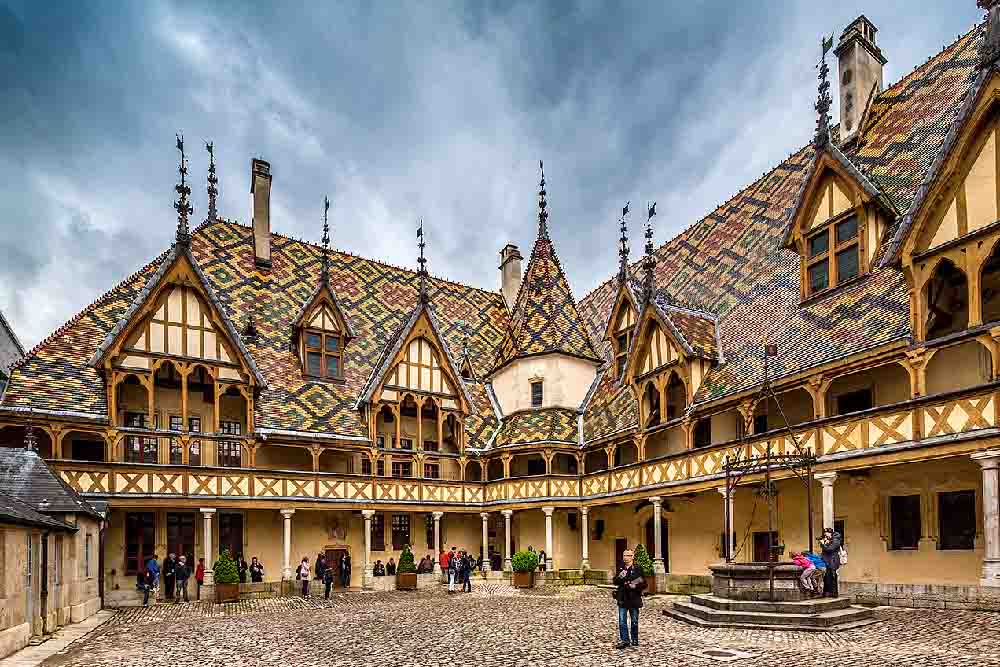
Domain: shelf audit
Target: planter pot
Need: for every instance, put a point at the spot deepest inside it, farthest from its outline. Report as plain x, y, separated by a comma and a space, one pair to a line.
227, 592
650, 585
406, 581
523, 579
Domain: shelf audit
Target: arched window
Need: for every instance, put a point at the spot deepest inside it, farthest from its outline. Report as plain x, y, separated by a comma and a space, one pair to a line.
989, 285
651, 403
947, 299
676, 397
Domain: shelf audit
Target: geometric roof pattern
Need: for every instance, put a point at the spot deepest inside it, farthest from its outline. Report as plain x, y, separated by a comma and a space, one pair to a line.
545, 317
548, 425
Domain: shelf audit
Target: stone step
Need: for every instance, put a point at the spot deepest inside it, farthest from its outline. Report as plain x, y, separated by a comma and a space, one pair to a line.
824, 619
700, 622
814, 606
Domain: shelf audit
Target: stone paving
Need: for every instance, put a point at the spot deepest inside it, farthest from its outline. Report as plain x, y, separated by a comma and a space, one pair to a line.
499, 626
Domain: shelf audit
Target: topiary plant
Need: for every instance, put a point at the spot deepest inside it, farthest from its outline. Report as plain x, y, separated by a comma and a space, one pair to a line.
643, 561
406, 565
524, 561
225, 569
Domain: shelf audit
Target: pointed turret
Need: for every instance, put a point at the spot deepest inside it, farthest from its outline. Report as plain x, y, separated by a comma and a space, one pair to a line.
213, 182
184, 209
824, 101
648, 261
623, 248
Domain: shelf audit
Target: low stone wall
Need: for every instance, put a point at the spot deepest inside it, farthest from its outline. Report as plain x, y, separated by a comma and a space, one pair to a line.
684, 584
14, 639
571, 578
931, 596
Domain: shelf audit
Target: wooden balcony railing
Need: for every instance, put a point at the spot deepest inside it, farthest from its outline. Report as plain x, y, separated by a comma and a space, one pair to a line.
933, 419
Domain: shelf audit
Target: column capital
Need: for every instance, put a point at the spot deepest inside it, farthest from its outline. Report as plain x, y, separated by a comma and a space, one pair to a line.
584, 510
656, 500
825, 478
987, 459
722, 491
484, 515
367, 513
207, 511
287, 513
507, 513
437, 515
548, 510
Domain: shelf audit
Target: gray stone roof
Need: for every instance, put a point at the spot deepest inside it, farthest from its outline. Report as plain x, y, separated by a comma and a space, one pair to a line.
15, 511
11, 349
25, 476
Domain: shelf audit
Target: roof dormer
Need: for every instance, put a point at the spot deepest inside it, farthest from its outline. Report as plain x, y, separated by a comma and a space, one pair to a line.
321, 332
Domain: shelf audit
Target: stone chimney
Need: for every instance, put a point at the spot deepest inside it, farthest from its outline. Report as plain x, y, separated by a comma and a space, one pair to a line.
510, 273
860, 73
260, 192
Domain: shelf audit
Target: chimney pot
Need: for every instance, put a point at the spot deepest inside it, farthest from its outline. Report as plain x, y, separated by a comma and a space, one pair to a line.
859, 73
510, 273
260, 191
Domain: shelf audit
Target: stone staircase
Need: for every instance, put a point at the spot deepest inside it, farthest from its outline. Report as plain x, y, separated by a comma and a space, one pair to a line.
817, 615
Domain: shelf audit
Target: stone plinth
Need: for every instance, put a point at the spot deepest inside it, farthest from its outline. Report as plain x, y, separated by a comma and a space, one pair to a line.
751, 581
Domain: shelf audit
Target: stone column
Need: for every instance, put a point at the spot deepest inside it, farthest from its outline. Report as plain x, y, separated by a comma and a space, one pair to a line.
206, 546
827, 479
507, 514
727, 499
989, 461
585, 529
548, 537
657, 536
286, 546
369, 568
486, 541
437, 541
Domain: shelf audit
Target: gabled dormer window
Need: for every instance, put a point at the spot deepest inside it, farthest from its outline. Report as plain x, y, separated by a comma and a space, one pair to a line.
622, 330
323, 333
324, 356
834, 254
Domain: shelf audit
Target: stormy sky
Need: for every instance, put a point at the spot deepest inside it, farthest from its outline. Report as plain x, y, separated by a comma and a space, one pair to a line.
396, 111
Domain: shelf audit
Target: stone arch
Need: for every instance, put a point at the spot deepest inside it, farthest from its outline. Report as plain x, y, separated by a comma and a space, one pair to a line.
626, 452
595, 461
946, 300
494, 469
652, 415
564, 463
677, 395
968, 364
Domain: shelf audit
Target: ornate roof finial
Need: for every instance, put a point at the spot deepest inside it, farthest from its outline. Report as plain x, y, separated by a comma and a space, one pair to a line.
623, 248
213, 181
325, 274
30, 439
648, 262
543, 216
422, 271
824, 100
989, 51
182, 205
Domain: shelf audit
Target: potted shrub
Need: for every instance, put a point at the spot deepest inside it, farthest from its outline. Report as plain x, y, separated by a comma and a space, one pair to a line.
406, 571
524, 564
645, 563
227, 579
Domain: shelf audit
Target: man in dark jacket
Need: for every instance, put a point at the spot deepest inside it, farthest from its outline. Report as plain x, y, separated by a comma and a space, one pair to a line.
390, 568
628, 594
467, 565
328, 580
168, 576
345, 571
830, 543
183, 573
453, 569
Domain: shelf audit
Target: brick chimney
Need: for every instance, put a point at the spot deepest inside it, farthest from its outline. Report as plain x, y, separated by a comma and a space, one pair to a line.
260, 192
510, 273
860, 73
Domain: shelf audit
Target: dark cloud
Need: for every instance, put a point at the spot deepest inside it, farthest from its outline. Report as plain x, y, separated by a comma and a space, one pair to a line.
398, 111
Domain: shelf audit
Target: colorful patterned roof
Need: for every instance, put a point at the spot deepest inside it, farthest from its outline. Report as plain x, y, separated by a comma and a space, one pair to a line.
732, 263
549, 425
545, 317
696, 331
377, 298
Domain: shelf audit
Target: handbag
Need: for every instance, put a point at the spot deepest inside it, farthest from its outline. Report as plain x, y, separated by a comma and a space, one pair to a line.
843, 555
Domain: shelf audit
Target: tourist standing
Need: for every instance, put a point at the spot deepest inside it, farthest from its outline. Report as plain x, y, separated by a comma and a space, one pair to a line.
830, 543
154, 568
148, 584
466, 572
199, 575
628, 594
390, 568
452, 567
379, 570
345, 571
328, 581
182, 572
241, 567
303, 575
443, 561
320, 566
541, 560
168, 576
256, 571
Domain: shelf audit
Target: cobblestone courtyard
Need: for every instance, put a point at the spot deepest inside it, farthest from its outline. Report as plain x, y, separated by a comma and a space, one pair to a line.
498, 626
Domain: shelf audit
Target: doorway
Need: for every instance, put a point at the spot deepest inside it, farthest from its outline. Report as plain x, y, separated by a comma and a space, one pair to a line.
333, 556
621, 546
664, 541
760, 544
231, 534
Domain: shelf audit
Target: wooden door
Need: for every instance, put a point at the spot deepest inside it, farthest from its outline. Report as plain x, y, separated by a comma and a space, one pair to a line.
333, 557
760, 545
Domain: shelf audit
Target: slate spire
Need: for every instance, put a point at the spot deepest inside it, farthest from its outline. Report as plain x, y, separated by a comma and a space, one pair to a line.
30, 439
325, 272
422, 271
213, 181
823, 101
183, 206
648, 262
543, 215
623, 248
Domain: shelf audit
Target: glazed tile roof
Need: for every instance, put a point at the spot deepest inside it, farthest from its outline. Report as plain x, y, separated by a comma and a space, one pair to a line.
550, 425
545, 317
732, 263
377, 298
696, 331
